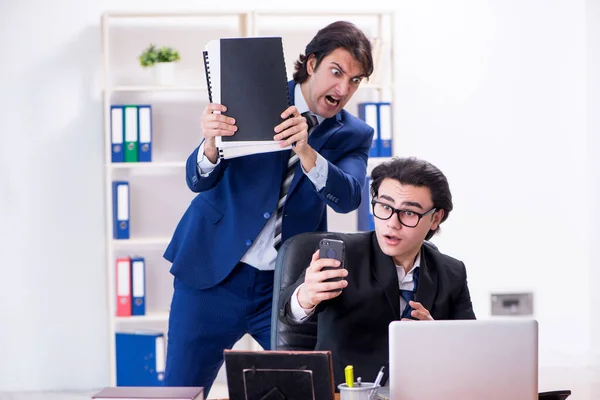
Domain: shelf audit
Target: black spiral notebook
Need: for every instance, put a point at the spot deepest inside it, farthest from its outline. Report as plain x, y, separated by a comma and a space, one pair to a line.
248, 76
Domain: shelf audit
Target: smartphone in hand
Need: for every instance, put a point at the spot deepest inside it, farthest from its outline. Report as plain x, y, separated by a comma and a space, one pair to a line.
332, 248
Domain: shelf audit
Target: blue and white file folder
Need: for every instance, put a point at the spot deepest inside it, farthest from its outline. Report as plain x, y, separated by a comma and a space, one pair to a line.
365, 210
138, 286
120, 195
116, 134
140, 359
145, 127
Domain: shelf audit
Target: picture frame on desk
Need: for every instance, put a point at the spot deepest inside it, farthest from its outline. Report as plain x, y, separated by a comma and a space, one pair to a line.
295, 375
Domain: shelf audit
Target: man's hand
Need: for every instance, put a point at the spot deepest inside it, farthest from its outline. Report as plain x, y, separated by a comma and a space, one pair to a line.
213, 125
314, 290
295, 130
419, 312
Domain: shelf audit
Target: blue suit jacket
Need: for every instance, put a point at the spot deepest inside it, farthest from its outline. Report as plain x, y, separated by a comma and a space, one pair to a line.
235, 201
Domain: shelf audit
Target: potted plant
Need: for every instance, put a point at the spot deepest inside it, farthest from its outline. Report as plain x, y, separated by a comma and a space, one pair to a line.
161, 60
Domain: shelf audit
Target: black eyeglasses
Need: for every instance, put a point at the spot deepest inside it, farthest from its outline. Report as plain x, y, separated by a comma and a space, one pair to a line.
408, 218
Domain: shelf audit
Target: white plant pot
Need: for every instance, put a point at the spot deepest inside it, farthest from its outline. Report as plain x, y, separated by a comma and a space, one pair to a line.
164, 73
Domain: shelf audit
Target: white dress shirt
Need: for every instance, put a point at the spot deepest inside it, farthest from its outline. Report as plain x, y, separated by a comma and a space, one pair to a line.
300, 314
261, 254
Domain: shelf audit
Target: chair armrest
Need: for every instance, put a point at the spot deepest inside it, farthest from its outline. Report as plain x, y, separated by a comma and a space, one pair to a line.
554, 395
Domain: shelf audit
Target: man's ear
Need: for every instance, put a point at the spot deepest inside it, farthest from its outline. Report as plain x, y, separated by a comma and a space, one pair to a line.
311, 63
437, 219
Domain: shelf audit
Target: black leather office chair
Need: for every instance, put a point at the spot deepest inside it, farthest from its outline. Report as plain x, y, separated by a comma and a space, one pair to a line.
294, 256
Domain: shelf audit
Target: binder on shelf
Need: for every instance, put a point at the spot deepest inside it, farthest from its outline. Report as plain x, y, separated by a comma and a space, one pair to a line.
140, 359
123, 284
385, 129
116, 133
131, 133
248, 76
138, 286
145, 129
368, 112
150, 393
120, 195
366, 220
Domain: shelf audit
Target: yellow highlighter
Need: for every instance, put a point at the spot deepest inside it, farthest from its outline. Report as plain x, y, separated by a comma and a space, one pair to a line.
349, 371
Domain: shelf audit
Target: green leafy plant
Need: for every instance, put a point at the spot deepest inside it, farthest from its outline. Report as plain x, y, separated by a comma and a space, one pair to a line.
153, 55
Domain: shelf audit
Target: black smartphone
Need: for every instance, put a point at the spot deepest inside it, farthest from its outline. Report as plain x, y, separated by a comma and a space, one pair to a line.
332, 248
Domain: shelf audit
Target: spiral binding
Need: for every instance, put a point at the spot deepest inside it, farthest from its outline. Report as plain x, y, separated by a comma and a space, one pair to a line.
208, 85
207, 70
287, 87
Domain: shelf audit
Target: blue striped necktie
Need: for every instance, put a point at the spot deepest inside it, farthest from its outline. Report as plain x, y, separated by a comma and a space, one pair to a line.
409, 295
312, 121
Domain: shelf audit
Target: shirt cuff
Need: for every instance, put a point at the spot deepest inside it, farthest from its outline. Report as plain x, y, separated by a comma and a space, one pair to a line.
299, 314
318, 174
205, 167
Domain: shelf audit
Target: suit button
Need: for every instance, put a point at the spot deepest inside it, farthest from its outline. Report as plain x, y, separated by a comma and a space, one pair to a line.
248, 242
266, 215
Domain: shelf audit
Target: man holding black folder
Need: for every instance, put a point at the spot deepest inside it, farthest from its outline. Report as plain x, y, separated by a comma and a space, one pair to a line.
224, 248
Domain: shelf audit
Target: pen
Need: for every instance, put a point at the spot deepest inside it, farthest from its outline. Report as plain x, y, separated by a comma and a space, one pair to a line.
349, 372
379, 377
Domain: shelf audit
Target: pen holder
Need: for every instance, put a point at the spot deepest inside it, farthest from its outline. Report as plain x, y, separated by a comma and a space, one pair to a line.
366, 391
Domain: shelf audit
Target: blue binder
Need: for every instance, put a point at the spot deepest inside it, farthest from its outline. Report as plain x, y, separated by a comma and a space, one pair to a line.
140, 359
384, 118
116, 133
120, 196
138, 286
365, 210
368, 112
145, 133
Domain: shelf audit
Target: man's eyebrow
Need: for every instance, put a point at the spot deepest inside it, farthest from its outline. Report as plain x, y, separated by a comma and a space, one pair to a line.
339, 67
388, 198
412, 204
344, 72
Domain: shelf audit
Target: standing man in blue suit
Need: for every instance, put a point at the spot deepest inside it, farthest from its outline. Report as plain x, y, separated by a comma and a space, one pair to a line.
224, 248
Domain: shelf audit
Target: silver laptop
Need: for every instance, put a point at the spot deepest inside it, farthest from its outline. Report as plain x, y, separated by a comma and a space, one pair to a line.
466, 360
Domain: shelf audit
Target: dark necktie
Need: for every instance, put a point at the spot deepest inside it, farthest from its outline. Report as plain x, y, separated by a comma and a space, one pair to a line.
312, 121
409, 295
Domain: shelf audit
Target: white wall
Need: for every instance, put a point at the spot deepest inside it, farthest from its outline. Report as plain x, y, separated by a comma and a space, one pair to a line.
593, 145
52, 309
491, 91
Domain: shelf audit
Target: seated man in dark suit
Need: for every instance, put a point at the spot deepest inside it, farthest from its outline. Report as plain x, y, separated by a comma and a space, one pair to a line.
390, 274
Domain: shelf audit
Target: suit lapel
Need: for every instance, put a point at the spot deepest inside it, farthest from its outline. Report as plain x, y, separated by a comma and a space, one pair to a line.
385, 273
428, 280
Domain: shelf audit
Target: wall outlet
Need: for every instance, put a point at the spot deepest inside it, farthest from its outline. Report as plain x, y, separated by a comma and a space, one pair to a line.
512, 304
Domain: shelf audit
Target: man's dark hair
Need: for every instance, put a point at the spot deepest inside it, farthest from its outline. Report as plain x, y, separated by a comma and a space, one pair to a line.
340, 34
416, 172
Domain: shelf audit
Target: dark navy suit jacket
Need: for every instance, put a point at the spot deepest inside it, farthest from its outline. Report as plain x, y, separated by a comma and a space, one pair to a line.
235, 201
354, 326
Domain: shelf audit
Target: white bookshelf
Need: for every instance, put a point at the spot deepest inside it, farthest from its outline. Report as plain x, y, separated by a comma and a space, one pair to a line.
138, 242
153, 88
147, 165
156, 316
158, 192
